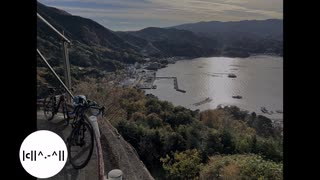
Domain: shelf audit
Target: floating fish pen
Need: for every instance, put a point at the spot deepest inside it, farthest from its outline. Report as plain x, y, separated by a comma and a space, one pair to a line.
207, 100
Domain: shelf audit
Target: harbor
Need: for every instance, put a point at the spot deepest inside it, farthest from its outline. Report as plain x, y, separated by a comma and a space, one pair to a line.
175, 83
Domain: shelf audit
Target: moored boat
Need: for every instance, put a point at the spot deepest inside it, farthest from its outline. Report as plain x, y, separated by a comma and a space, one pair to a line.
237, 97
231, 75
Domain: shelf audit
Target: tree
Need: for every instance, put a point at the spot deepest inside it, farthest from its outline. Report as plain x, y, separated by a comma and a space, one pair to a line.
153, 106
236, 112
182, 118
213, 118
154, 120
138, 116
214, 143
149, 148
183, 165
270, 149
227, 141
172, 142
263, 126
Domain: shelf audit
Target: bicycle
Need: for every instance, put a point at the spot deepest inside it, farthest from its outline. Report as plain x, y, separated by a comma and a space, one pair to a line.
81, 139
51, 107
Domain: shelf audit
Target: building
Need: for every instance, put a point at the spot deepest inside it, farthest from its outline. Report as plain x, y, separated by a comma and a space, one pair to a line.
154, 66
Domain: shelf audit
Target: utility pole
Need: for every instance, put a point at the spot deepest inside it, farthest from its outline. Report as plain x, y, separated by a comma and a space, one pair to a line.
66, 64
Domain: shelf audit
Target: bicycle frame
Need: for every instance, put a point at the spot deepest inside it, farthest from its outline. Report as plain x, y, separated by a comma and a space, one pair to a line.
79, 116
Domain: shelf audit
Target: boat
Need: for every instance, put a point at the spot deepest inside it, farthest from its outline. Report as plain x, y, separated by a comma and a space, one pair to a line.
231, 75
237, 97
208, 99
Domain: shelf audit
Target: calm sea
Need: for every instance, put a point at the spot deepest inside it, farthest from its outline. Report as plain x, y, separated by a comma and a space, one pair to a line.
259, 81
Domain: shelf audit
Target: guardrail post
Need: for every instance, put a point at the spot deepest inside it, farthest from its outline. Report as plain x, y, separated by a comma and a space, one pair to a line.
115, 174
94, 122
66, 64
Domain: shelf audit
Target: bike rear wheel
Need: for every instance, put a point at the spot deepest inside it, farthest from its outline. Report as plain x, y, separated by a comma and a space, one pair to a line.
65, 111
80, 145
49, 108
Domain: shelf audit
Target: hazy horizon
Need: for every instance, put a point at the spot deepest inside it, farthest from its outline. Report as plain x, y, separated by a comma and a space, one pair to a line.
130, 15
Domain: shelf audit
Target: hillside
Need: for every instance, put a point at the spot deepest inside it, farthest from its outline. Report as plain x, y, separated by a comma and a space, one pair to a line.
176, 142
93, 44
95, 50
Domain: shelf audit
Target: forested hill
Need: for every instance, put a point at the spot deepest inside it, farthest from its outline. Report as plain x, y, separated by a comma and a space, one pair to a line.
93, 44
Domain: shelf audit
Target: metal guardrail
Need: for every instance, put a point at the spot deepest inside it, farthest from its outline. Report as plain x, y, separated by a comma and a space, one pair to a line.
54, 73
54, 29
65, 42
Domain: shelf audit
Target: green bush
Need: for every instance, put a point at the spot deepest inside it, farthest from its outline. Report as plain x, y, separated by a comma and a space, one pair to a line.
246, 167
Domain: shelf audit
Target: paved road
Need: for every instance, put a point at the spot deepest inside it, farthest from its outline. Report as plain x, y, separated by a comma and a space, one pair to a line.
68, 172
117, 153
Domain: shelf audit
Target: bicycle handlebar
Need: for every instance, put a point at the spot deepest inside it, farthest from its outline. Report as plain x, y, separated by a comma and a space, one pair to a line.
101, 110
93, 105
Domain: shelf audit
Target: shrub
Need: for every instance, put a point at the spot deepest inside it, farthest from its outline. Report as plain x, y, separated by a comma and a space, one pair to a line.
183, 165
241, 167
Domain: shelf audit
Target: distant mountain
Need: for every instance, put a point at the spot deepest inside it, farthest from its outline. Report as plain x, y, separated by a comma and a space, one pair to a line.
154, 41
270, 28
251, 36
235, 39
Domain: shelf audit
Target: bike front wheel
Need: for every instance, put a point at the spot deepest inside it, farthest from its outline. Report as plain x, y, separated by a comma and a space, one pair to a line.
49, 108
80, 145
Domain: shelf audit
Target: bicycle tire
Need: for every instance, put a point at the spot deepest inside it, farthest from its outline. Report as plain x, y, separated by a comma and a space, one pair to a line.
72, 147
65, 111
49, 108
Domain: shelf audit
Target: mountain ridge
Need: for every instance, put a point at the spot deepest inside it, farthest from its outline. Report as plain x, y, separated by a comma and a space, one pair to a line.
261, 27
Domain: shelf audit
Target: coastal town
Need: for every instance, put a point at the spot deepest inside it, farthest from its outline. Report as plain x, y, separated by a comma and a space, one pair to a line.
143, 75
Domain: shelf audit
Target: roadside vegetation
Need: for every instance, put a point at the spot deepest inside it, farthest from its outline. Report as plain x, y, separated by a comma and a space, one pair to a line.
177, 143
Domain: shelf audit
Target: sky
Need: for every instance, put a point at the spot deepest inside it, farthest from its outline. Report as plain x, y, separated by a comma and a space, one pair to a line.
125, 15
